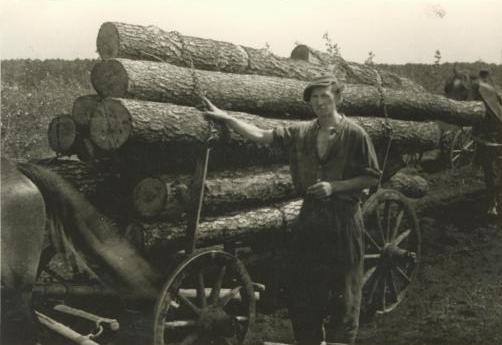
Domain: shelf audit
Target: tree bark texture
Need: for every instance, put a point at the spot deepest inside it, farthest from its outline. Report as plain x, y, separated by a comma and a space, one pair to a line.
359, 73
412, 186
83, 177
225, 191
172, 135
276, 219
268, 96
83, 107
121, 40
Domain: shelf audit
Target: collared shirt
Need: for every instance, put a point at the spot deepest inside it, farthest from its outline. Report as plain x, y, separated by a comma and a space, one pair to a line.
328, 233
350, 154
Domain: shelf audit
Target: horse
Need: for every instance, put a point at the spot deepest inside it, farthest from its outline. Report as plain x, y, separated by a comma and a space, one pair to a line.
487, 133
39, 206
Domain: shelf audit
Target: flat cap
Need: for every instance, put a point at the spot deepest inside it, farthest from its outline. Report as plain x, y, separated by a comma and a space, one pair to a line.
327, 80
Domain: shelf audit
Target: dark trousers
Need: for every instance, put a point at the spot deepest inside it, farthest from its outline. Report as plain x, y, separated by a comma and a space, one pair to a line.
490, 159
326, 307
325, 287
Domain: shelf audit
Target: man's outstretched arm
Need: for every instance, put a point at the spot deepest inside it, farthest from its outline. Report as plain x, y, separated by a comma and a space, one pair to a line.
247, 130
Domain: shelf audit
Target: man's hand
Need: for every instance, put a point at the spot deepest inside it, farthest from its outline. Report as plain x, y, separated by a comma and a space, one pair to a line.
320, 190
214, 112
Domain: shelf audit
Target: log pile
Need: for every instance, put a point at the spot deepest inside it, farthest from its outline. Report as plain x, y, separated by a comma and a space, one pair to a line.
139, 137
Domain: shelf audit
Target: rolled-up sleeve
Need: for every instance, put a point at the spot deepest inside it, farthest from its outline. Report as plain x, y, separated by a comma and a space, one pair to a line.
365, 158
284, 136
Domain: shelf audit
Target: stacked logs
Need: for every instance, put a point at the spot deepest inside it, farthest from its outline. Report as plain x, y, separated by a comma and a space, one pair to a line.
142, 133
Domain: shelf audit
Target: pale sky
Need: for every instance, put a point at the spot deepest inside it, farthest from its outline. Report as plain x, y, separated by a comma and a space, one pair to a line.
396, 31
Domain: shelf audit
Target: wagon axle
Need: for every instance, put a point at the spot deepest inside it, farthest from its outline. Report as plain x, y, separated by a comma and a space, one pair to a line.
392, 253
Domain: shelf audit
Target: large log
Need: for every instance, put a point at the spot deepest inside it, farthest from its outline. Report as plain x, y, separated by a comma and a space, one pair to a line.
268, 96
82, 109
171, 134
277, 219
121, 40
83, 177
165, 196
225, 191
108, 190
362, 74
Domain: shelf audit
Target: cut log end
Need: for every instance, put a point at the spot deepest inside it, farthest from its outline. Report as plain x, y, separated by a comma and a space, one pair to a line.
62, 134
150, 196
110, 79
83, 107
108, 41
110, 125
301, 52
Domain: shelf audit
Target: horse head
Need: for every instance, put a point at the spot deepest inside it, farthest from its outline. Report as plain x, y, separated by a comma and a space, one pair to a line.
461, 86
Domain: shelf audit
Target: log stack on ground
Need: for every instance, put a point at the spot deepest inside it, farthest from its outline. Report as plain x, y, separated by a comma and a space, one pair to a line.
141, 134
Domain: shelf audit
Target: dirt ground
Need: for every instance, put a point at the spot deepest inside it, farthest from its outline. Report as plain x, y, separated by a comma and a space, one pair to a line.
455, 299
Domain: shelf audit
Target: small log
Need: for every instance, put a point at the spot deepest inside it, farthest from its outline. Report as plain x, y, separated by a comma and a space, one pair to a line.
121, 40
412, 186
358, 73
62, 135
170, 135
66, 138
268, 96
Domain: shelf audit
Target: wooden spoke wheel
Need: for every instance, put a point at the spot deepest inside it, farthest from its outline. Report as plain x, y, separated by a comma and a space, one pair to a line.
462, 148
392, 251
208, 299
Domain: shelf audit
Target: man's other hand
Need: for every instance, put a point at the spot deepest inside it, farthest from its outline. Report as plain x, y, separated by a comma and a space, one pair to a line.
214, 112
320, 190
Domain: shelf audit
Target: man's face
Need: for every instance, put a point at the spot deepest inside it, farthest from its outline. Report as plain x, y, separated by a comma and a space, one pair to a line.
323, 101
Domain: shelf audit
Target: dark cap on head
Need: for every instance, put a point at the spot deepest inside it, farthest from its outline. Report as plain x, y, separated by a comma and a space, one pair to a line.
484, 73
328, 80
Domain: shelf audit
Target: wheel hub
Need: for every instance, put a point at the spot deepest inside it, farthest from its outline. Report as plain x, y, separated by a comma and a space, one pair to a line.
391, 253
215, 321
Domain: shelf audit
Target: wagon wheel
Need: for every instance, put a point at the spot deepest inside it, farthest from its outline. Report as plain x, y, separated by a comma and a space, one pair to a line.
208, 299
392, 252
462, 149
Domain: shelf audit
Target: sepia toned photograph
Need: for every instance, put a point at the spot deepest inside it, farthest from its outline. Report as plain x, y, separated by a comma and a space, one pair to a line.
281, 172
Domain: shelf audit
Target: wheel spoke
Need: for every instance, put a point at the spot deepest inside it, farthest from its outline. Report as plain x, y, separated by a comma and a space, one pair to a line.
384, 287
374, 286
392, 286
402, 237
372, 241
402, 274
179, 323
386, 220
215, 292
201, 290
379, 224
368, 274
190, 339
188, 303
399, 219
372, 256
229, 295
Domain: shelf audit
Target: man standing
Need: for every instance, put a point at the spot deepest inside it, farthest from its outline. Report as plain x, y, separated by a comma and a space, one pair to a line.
488, 136
332, 160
